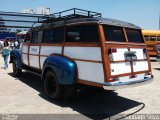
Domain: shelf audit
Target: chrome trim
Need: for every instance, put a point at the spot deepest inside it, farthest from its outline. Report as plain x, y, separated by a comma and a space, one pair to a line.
124, 43
120, 85
157, 59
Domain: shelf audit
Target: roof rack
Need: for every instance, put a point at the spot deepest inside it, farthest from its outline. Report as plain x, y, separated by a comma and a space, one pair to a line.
20, 20
27, 20
71, 14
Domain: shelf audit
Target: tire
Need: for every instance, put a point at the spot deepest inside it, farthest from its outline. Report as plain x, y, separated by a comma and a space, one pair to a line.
17, 71
52, 88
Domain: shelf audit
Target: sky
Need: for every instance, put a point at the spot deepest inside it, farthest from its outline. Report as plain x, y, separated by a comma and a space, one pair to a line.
143, 13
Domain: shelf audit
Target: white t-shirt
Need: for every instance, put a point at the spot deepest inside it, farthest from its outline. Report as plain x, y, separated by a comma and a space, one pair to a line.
16, 43
1, 43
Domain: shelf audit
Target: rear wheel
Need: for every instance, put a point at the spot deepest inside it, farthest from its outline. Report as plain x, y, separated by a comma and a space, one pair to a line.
52, 88
17, 71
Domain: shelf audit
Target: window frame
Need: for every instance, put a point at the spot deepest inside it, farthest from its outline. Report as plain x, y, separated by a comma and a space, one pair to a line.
120, 28
153, 38
37, 40
140, 33
81, 33
53, 32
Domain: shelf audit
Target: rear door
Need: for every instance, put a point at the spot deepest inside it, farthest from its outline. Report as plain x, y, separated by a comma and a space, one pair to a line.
126, 52
140, 63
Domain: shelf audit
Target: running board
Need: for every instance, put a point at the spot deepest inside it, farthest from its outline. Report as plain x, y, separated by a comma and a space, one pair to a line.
32, 70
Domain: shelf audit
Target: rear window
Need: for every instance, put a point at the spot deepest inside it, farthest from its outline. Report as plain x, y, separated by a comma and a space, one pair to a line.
113, 33
134, 36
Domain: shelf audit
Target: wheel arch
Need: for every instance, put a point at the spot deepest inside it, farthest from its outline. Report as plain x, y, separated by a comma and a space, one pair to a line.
15, 54
64, 67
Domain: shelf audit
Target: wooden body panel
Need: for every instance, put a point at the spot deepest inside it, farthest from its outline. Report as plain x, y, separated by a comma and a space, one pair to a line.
94, 66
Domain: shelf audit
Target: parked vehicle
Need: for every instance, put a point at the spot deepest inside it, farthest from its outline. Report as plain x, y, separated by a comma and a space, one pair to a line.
152, 38
84, 49
158, 52
20, 36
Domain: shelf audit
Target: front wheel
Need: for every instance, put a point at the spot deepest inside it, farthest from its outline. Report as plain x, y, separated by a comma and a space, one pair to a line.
17, 71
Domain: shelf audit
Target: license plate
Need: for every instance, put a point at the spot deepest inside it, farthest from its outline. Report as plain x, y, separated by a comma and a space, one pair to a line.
130, 56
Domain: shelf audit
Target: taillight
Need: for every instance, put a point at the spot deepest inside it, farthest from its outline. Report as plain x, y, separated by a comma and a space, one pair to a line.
114, 50
110, 80
133, 76
110, 51
113, 79
149, 73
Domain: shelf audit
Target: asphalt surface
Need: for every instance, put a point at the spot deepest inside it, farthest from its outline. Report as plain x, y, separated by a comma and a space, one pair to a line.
25, 97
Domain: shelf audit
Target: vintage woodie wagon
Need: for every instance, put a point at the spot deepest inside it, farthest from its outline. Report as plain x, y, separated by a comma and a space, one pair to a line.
84, 49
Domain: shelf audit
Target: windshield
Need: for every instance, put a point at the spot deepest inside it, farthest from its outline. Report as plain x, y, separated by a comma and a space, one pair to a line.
113, 33
134, 36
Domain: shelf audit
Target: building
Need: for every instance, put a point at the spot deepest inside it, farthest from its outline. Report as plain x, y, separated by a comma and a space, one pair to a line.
40, 10
27, 11
2, 26
4, 32
43, 10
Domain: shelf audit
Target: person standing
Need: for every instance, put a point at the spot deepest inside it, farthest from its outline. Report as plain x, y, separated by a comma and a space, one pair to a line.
1, 46
16, 44
6, 50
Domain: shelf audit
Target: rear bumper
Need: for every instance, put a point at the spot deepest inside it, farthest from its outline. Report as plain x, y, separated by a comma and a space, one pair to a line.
119, 85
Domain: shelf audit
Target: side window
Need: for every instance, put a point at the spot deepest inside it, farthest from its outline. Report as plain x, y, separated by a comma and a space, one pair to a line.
40, 36
158, 38
34, 36
113, 33
146, 38
152, 38
48, 36
82, 33
55, 35
58, 35
90, 33
37, 36
73, 34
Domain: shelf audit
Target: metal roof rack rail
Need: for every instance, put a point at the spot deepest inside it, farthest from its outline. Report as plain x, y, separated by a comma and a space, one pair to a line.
20, 20
28, 20
71, 14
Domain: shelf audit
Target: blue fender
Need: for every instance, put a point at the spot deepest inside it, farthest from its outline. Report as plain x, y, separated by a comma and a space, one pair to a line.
63, 67
16, 54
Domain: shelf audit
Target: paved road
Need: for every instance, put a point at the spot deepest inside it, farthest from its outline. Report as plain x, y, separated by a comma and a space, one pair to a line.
25, 95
